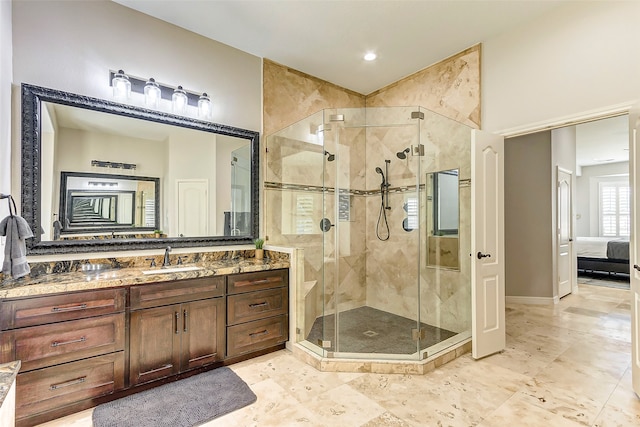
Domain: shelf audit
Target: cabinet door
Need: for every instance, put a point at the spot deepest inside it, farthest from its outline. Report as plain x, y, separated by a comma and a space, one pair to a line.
155, 343
203, 329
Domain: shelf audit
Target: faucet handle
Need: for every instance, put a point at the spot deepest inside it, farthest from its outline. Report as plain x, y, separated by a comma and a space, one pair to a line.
153, 261
180, 258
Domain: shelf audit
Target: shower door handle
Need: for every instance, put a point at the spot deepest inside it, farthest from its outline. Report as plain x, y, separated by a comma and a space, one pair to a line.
480, 255
325, 224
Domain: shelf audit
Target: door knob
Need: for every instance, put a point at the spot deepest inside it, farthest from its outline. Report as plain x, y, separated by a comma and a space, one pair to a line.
325, 224
480, 255
636, 266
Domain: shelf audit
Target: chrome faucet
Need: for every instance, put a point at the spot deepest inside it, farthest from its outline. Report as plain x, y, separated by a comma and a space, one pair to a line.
167, 261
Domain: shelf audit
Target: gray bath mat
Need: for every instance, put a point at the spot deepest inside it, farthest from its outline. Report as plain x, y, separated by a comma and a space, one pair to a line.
185, 403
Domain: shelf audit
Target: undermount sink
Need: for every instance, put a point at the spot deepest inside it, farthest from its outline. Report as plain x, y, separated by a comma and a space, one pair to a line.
171, 270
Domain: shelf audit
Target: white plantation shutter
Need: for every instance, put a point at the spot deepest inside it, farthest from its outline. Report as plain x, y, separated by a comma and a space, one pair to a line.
412, 213
615, 220
304, 214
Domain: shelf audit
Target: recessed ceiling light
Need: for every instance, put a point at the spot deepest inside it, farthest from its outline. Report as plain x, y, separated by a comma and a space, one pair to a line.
370, 56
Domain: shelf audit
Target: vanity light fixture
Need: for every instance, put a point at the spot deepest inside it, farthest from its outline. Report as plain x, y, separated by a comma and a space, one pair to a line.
102, 184
152, 94
147, 87
179, 101
116, 165
204, 107
121, 86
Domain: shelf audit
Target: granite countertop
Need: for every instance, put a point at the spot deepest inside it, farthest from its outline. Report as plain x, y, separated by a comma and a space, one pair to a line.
8, 372
52, 283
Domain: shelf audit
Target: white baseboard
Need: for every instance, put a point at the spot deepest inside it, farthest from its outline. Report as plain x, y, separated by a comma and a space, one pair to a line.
532, 300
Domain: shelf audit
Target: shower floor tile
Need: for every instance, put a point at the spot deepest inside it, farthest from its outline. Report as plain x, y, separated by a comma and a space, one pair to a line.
369, 330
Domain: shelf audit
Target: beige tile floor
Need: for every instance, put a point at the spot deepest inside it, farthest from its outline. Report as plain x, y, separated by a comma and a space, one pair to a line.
564, 365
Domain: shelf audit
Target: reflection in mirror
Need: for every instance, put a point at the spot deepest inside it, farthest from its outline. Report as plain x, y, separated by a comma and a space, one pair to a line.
443, 219
97, 203
194, 180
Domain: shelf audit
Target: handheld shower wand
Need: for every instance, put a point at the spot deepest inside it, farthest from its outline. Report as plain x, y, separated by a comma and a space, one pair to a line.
384, 202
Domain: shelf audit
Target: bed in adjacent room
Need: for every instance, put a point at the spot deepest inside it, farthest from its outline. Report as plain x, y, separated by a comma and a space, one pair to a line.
603, 254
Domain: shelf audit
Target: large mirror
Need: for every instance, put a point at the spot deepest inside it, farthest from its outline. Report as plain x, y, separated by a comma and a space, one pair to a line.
103, 176
443, 209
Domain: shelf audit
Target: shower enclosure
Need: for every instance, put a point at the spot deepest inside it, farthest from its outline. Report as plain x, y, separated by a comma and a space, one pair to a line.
380, 201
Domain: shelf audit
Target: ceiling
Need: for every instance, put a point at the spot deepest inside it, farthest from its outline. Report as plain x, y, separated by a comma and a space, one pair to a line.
328, 38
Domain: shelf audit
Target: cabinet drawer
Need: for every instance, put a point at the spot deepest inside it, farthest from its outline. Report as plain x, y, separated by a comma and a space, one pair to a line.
256, 335
54, 387
57, 308
256, 305
155, 295
249, 282
41, 346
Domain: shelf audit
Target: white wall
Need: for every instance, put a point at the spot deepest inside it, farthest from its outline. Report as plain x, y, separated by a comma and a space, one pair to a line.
6, 56
587, 194
581, 57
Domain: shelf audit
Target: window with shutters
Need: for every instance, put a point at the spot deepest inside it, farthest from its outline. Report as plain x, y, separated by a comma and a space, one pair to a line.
304, 214
411, 207
614, 203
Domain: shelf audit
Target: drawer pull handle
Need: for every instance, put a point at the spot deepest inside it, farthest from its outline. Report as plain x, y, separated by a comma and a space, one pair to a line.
260, 304
72, 308
80, 380
177, 320
258, 282
162, 368
184, 320
59, 343
206, 356
257, 334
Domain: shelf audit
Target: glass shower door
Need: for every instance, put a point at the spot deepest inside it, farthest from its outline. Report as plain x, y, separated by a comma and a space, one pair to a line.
376, 249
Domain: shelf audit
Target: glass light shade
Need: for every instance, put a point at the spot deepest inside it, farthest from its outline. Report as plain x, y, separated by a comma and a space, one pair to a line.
179, 101
204, 107
152, 94
121, 86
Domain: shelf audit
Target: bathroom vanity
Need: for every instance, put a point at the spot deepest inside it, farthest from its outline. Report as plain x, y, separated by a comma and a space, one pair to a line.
113, 337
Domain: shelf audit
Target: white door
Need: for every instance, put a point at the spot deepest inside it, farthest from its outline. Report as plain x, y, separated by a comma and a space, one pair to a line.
193, 208
487, 243
634, 246
564, 232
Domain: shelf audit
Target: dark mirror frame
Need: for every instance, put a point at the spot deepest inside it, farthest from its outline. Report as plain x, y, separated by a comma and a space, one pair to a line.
32, 98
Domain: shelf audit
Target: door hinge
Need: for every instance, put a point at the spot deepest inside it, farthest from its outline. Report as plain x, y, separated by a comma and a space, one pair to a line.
417, 334
417, 115
324, 343
336, 118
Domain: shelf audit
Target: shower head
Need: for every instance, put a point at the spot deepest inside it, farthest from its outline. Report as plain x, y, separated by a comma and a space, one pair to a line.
330, 157
403, 154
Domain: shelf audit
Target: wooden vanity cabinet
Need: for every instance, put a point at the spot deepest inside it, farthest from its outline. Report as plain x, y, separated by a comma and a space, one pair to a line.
72, 348
257, 311
183, 335
79, 349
